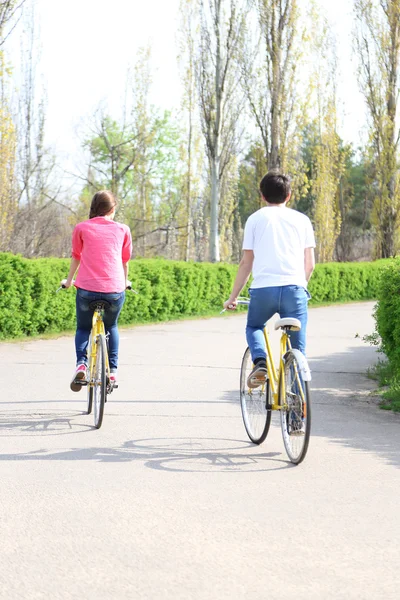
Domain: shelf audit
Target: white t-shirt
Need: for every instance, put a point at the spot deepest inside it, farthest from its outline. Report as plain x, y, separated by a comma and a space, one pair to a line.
278, 236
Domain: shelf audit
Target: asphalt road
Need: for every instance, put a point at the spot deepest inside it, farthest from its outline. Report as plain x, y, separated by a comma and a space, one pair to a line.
169, 500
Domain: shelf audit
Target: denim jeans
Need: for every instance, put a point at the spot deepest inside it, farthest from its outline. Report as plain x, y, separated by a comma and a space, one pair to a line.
84, 324
287, 301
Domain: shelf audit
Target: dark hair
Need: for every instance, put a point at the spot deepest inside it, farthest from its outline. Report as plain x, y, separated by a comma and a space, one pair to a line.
102, 204
275, 187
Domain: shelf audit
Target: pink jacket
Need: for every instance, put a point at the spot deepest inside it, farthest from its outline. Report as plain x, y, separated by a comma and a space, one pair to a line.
102, 246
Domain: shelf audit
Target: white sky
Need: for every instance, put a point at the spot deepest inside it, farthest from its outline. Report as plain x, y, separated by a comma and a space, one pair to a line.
88, 45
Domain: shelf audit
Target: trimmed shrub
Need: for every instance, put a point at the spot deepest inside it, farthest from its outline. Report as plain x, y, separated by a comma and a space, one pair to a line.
387, 313
167, 290
345, 282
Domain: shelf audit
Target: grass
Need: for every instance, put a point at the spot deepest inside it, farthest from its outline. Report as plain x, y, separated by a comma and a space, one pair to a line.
389, 385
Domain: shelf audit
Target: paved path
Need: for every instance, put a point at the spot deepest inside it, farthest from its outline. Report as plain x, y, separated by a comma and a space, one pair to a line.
170, 501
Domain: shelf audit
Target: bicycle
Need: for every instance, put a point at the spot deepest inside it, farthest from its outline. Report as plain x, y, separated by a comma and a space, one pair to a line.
286, 389
98, 382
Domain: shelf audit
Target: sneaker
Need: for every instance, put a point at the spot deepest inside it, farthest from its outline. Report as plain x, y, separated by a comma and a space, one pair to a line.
258, 376
78, 378
113, 380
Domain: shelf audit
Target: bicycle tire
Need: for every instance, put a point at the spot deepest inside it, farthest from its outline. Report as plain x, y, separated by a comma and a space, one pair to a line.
89, 404
100, 381
296, 416
253, 402
89, 401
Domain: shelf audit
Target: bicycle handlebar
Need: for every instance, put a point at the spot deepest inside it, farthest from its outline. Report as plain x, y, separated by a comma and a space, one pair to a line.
64, 281
244, 301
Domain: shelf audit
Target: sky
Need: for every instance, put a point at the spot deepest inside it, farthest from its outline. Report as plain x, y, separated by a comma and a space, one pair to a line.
87, 47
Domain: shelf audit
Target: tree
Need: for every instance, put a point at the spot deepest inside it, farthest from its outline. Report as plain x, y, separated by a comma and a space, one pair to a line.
222, 23
190, 151
9, 9
10, 13
377, 40
251, 171
269, 77
40, 214
8, 142
355, 205
323, 152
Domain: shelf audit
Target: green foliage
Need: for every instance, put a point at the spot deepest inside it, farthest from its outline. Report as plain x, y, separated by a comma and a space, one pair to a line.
387, 313
387, 316
345, 282
167, 290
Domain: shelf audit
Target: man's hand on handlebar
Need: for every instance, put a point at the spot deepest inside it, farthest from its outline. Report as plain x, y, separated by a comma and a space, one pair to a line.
230, 304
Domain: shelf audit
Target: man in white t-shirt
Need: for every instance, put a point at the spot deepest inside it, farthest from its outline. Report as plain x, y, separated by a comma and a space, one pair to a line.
278, 247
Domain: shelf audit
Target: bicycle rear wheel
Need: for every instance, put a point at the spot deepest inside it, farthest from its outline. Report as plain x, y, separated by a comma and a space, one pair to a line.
253, 402
100, 381
295, 411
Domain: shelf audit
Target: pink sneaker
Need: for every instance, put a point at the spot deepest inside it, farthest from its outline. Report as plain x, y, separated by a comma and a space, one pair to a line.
113, 380
79, 376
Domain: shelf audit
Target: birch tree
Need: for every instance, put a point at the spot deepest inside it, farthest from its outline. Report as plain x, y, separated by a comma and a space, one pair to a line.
221, 24
190, 152
377, 39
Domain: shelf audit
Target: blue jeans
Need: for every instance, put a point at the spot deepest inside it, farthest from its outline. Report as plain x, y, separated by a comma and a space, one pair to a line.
84, 324
287, 301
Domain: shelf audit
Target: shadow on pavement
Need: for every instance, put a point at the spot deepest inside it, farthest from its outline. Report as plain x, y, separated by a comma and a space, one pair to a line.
195, 455
343, 411
52, 423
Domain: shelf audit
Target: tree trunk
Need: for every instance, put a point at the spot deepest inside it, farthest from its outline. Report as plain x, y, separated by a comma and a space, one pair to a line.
214, 229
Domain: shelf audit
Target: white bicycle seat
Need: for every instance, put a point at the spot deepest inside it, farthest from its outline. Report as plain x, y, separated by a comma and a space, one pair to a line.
289, 324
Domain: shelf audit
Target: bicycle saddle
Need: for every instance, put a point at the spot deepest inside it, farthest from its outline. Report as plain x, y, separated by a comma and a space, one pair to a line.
289, 324
99, 305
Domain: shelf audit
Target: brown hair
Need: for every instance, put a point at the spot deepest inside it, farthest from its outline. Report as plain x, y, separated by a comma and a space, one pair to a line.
102, 204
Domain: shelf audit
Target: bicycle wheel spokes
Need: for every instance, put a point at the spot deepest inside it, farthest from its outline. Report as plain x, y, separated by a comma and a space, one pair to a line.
296, 410
256, 417
100, 383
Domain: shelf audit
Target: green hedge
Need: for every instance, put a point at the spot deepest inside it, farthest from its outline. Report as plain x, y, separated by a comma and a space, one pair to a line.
167, 290
345, 282
387, 312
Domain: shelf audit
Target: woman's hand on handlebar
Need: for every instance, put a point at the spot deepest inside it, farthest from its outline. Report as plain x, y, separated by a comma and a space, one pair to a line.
128, 287
66, 283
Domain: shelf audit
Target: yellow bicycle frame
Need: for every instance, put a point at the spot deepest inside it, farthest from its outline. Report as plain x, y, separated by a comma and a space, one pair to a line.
277, 377
97, 329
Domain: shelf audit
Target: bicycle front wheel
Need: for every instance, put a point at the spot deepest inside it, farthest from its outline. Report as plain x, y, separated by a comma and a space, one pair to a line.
89, 403
295, 410
100, 381
254, 403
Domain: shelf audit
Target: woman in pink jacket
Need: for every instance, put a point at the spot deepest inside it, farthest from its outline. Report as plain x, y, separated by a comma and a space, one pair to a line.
101, 248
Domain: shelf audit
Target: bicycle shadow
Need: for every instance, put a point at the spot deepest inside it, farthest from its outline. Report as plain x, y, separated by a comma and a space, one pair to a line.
19, 424
177, 455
